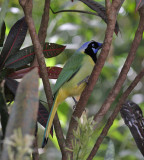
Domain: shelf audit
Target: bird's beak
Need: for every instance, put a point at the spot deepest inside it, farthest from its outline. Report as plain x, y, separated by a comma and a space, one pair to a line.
100, 46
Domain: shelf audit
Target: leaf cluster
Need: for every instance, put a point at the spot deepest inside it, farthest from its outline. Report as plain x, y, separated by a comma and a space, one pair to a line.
82, 137
19, 146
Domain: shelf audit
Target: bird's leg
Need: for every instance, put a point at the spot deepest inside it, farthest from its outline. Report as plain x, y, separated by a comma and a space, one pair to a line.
84, 80
75, 101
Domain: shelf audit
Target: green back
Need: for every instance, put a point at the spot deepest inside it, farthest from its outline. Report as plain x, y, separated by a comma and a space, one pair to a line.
70, 68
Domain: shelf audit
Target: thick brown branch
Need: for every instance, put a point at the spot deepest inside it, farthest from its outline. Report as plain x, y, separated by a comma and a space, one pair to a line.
107, 4
114, 114
122, 76
27, 7
94, 76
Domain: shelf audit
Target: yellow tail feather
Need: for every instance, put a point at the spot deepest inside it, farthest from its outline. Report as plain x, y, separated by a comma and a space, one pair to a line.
59, 98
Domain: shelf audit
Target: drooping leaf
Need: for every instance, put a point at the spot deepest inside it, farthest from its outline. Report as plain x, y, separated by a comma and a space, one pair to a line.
100, 9
110, 153
3, 111
139, 4
2, 34
53, 72
133, 118
24, 110
43, 114
14, 40
26, 55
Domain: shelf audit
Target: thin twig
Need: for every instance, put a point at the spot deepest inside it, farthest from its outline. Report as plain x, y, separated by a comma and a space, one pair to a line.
27, 7
44, 23
122, 76
77, 11
94, 76
42, 36
43, 28
114, 114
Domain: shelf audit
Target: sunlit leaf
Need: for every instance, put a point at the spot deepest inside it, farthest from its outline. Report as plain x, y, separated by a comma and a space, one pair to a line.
63, 111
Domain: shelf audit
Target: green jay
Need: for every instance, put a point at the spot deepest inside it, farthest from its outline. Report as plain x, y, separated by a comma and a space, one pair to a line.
78, 67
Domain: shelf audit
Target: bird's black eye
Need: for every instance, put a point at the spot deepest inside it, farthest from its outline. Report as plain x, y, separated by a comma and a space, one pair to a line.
94, 45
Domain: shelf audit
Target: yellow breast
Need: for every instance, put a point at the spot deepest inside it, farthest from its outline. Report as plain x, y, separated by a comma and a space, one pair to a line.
71, 88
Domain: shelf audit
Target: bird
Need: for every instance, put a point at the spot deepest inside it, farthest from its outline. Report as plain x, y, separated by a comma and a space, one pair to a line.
71, 82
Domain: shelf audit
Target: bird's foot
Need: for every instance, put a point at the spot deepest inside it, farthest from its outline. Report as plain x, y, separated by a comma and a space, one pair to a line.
75, 101
84, 80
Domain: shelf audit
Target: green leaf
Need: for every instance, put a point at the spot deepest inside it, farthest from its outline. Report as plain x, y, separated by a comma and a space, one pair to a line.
26, 55
110, 153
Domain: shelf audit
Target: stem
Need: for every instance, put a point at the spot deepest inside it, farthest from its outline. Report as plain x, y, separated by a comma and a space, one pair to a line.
27, 6
95, 74
35, 154
43, 27
114, 115
77, 11
122, 76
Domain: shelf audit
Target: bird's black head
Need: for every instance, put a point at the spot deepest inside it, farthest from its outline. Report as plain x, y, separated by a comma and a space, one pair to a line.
92, 49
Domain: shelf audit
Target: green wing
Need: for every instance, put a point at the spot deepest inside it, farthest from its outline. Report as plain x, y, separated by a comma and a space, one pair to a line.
69, 69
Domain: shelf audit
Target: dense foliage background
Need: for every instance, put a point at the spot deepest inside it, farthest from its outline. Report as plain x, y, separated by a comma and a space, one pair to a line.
72, 30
